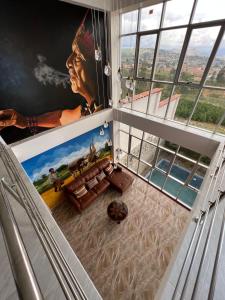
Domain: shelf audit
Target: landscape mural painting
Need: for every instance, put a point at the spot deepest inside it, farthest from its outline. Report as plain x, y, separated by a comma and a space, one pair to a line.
78, 154
48, 72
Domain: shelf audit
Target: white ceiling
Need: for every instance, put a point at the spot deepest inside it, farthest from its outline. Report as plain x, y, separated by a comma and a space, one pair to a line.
114, 4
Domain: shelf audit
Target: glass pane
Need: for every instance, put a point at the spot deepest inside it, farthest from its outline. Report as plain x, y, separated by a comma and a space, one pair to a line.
177, 12
159, 99
172, 187
181, 169
141, 94
198, 53
157, 178
135, 146
123, 158
216, 75
124, 140
221, 128
164, 160
144, 170
151, 138
169, 145
187, 196
198, 177
208, 10
209, 110
171, 43
124, 127
205, 160
146, 53
186, 97
189, 153
136, 132
129, 22
133, 163
148, 152
128, 44
150, 17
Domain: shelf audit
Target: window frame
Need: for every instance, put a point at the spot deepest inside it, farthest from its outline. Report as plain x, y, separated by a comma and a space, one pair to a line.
176, 82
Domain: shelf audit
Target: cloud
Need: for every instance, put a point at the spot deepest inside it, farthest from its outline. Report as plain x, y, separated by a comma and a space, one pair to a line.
65, 155
57, 162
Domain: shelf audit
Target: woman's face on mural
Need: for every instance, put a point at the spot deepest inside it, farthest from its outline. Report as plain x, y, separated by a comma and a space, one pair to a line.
79, 76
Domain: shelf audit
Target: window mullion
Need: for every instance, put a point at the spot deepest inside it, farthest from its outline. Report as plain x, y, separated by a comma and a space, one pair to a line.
168, 104
170, 166
193, 11
188, 178
182, 55
194, 107
136, 57
213, 54
157, 42
139, 156
219, 123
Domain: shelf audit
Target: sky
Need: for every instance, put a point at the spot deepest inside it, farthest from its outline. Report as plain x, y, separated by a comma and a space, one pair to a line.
65, 153
177, 13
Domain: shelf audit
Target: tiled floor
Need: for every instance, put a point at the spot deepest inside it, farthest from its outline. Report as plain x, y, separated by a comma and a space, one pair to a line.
125, 261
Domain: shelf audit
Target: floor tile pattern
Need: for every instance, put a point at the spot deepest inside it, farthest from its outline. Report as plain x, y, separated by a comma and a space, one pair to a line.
125, 261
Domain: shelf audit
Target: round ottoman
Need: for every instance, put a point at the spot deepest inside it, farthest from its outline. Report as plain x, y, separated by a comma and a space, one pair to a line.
117, 211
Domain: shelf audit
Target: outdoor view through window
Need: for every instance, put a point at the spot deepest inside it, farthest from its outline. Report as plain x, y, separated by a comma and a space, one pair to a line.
177, 50
173, 67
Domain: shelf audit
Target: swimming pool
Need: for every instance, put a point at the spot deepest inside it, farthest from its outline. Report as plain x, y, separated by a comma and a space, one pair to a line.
172, 186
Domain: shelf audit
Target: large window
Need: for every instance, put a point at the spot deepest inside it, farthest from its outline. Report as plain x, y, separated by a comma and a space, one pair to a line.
175, 170
174, 53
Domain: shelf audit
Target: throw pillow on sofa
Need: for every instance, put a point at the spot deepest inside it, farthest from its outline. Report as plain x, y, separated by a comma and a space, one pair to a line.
100, 176
91, 183
80, 192
109, 169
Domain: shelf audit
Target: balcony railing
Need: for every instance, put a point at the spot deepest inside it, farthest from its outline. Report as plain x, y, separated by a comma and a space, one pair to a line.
16, 204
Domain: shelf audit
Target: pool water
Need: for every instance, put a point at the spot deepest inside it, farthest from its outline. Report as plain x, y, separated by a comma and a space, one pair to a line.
173, 187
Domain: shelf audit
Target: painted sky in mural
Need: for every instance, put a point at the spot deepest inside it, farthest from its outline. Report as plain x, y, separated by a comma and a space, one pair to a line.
48, 74
65, 153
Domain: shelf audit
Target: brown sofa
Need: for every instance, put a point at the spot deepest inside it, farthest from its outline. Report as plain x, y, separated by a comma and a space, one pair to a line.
118, 179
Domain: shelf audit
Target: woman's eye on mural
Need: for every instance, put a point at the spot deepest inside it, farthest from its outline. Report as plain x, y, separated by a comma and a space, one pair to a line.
41, 80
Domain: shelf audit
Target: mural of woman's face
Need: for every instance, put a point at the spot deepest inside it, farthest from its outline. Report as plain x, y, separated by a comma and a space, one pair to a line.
81, 81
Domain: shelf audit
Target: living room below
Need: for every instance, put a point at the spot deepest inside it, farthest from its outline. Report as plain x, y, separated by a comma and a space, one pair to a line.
127, 260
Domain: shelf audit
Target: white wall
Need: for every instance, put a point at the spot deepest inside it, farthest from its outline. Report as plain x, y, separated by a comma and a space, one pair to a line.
192, 138
44, 141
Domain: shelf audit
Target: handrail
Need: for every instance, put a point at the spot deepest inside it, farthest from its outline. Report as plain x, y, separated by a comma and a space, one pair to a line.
201, 221
64, 273
218, 254
23, 273
54, 253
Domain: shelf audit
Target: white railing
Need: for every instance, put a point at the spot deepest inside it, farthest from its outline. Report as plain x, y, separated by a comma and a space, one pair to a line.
27, 283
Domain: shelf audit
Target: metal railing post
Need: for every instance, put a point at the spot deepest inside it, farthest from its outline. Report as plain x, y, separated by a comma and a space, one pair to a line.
23, 273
